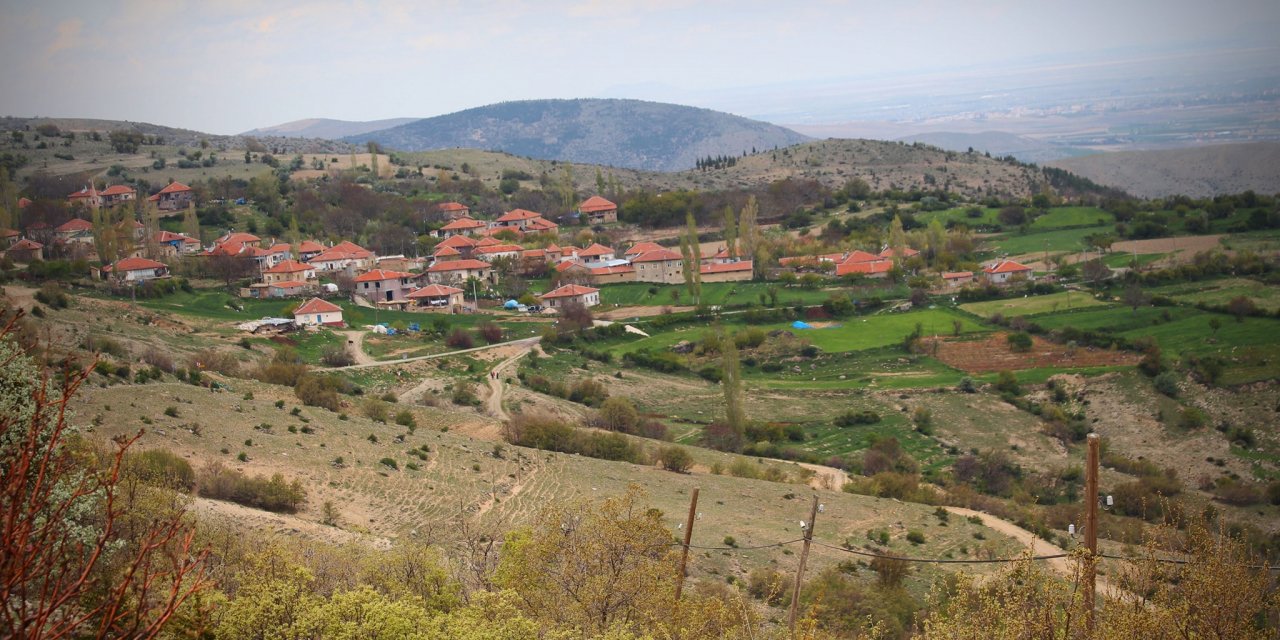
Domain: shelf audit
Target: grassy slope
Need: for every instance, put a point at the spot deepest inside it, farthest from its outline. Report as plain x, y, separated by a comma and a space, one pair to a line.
1065, 300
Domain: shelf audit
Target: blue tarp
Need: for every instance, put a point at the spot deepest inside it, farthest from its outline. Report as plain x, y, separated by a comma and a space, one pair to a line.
510, 304
414, 327
798, 324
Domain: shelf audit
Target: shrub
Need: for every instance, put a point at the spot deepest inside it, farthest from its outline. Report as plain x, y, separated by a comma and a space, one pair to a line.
375, 410
389, 462
405, 418
491, 332
1167, 383
172, 412
1006, 382
852, 418
161, 468
675, 459
459, 339
464, 394
1193, 418
337, 356
317, 391
967, 385
769, 585
1019, 342
619, 414
915, 536
220, 483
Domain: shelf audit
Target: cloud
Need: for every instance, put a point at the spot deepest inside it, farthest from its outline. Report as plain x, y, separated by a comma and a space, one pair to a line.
67, 36
266, 25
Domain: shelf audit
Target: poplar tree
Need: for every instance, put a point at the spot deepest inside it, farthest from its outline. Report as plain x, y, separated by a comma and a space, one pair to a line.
730, 231
692, 254
734, 413
897, 238
191, 222
373, 158
8, 201
150, 228
295, 237
749, 233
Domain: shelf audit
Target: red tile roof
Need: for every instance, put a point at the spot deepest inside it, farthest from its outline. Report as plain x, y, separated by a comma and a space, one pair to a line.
516, 215
238, 237
462, 224
86, 192
596, 249
446, 250
459, 265
569, 290
74, 224
116, 190
487, 242
310, 246
564, 266
169, 236
289, 266
493, 231
351, 247
533, 253
452, 206
9, 233
657, 255
457, 242
906, 251
289, 284
26, 244
606, 271
596, 203
643, 247
279, 247
174, 187
136, 264
864, 268
499, 248
316, 305
725, 267
23, 203
861, 256
956, 275
378, 275
541, 224
1006, 266
434, 291
723, 253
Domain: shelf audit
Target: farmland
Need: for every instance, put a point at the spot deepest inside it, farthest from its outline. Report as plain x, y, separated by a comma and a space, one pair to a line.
1032, 305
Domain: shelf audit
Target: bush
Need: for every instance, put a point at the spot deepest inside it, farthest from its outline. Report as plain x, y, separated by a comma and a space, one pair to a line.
337, 356
459, 339
389, 462
1193, 418
967, 385
375, 410
220, 483
1167, 383
1006, 382
318, 391
1019, 342
172, 412
161, 468
491, 332
405, 418
619, 414
464, 394
675, 459
769, 585
852, 418
915, 536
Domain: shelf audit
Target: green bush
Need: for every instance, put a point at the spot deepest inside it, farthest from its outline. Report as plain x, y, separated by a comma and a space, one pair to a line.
675, 458
161, 468
273, 494
1167, 383
915, 536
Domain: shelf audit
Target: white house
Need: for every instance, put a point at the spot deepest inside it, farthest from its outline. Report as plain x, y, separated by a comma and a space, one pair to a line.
586, 296
316, 312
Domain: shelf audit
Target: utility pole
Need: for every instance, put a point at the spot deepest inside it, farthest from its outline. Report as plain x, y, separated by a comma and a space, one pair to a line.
1091, 527
688, 534
804, 557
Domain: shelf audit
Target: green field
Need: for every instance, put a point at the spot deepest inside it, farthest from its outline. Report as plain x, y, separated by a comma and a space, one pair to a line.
1219, 292
1071, 240
723, 294
1061, 301
1063, 217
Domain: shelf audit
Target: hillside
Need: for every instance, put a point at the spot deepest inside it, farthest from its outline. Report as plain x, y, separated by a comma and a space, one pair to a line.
621, 133
177, 137
1198, 172
327, 128
998, 143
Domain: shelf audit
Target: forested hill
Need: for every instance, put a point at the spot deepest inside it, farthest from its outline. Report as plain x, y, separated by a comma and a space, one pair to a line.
620, 133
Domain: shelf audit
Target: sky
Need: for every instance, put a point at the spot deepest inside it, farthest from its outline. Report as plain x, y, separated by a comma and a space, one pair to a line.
226, 66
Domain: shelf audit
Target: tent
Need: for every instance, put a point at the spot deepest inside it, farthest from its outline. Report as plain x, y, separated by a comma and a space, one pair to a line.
510, 304
799, 324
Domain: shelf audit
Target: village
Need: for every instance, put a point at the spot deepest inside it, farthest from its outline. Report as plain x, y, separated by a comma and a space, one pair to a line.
470, 258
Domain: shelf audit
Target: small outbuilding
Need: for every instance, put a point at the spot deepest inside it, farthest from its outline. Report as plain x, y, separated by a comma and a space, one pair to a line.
316, 312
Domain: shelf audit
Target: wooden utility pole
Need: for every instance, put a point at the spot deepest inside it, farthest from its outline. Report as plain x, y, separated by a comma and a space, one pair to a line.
1091, 528
804, 557
688, 534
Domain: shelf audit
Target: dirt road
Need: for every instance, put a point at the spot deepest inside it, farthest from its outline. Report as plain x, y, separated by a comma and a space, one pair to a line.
355, 346
824, 477
370, 362
497, 385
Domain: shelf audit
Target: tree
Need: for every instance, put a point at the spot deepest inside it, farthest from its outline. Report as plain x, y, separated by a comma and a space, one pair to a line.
150, 215
675, 458
1095, 271
1012, 216
1214, 325
229, 268
75, 562
191, 222
373, 158
1241, 306
8, 201
691, 254
897, 239
295, 237
734, 412
619, 414
104, 235
730, 231
749, 234
1134, 297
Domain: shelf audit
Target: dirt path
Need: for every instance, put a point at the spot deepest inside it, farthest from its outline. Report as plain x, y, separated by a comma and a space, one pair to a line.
355, 346
828, 478
510, 492
389, 363
496, 383
1037, 546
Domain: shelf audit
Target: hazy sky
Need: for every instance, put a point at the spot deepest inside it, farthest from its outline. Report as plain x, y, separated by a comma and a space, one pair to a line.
231, 65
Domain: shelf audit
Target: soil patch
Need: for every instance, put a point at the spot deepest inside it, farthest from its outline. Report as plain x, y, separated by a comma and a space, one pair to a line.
993, 354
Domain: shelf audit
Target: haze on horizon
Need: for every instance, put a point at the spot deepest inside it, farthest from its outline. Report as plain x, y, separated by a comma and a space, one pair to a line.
227, 67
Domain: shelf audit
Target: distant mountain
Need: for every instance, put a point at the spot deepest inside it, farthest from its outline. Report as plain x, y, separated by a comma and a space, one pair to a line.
622, 133
327, 128
182, 137
1197, 172
998, 144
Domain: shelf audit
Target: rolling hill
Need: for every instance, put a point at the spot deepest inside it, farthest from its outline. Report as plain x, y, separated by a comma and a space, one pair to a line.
621, 133
1196, 172
998, 143
327, 128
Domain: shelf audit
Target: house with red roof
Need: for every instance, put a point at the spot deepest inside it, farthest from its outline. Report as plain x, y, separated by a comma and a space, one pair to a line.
436, 297
598, 210
117, 194
9, 237
570, 293
135, 270
506, 232
594, 253
820, 261
1004, 271
344, 256
739, 271
492, 252
453, 210
641, 247
907, 252
724, 255
87, 198
517, 218
459, 271
318, 313
463, 225
380, 286
236, 242
659, 265
74, 230
288, 270
459, 242
866, 269
23, 203
174, 197
25, 251
956, 279
445, 254
176, 244
308, 249
541, 225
